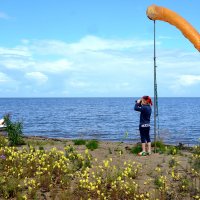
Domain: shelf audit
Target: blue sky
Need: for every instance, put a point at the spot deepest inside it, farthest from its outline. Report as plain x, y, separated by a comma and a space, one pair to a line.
95, 48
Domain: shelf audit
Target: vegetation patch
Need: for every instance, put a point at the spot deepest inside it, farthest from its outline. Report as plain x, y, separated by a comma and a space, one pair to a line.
30, 172
196, 158
92, 144
136, 149
79, 142
14, 130
159, 146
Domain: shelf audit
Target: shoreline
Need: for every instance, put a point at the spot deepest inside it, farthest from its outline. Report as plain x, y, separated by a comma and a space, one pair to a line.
181, 145
60, 139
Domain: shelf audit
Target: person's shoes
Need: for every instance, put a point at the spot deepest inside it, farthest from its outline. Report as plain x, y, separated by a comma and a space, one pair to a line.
149, 153
143, 153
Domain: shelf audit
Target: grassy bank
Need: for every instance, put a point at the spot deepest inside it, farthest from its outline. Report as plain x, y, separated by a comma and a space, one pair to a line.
61, 169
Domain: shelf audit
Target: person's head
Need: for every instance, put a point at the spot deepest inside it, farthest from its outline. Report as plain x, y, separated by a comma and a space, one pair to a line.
146, 100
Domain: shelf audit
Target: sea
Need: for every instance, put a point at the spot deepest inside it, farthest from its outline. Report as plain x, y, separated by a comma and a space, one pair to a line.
106, 119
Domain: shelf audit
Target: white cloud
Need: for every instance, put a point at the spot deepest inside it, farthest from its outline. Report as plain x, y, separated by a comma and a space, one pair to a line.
95, 66
3, 15
79, 84
16, 58
8, 85
4, 78
188, 80
48, 47
184, 85
87, 43
57, 66
25, 41
93, 43
38, 77
18, 64
15, 52
25, 58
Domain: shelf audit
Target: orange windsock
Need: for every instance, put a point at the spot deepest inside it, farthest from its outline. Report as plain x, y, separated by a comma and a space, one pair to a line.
160, 13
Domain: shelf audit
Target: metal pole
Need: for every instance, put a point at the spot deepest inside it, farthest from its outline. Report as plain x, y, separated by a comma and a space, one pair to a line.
155, 88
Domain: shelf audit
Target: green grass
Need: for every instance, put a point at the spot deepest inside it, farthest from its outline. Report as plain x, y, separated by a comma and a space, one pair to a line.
33, 142
79, 142
173, 162
136, 149
171, 150
3, 141
158, 182
92, 144
196, 158
160, 146
41, 148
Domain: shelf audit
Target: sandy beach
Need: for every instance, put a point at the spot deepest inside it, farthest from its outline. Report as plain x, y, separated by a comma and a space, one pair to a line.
161, 175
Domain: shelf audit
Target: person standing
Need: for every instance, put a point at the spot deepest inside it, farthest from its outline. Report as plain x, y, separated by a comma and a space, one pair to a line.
143, 106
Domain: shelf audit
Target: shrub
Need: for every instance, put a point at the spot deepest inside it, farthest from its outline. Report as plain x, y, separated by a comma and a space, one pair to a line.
45, 182
92, 144
41, 148
196, 164
160, 146
136, 149
171, 150
196, 158
119, 150
184, 185
14, 130
173, 162
3, 141
109, 150
10, 188
68, 150
79, 142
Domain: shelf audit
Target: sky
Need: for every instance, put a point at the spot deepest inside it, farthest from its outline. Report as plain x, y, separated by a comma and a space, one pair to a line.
95, 48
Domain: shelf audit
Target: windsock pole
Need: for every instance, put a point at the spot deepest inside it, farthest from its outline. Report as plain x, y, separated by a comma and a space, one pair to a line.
155, 89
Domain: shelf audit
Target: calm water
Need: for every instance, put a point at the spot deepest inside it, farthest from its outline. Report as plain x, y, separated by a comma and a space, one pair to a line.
103, 118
